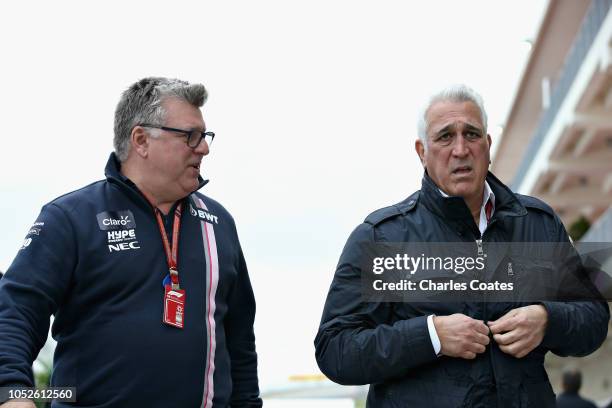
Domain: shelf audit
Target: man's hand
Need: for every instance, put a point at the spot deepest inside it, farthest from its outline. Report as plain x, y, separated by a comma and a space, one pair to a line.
520, 330
461, 336
18, 404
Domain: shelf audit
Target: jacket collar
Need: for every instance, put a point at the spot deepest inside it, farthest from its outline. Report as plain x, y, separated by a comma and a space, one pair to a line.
113, 174
455, 208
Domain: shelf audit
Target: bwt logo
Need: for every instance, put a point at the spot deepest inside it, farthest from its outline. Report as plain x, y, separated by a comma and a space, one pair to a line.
204, 215
116, 220
123, 246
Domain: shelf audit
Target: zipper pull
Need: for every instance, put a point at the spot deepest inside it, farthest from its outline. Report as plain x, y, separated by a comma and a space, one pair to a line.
479, 245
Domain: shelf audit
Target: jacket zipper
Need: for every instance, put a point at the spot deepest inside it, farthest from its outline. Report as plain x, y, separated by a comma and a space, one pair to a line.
479, 244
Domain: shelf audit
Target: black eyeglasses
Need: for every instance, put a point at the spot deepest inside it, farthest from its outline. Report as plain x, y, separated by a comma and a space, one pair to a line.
194, 137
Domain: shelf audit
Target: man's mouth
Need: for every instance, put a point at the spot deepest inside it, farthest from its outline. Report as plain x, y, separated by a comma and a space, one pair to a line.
196, 166
462, 170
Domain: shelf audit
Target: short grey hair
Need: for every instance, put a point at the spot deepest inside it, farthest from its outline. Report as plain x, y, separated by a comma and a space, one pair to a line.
452, 93
142, 103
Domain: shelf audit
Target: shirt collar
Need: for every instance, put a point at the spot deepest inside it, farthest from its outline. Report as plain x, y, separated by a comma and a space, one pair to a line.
486, 196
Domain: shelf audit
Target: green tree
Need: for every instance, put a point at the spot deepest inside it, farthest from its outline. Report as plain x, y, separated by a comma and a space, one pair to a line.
579, 228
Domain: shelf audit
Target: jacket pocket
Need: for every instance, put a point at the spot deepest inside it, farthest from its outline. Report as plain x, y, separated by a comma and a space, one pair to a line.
440, 393
537, 395
535, 279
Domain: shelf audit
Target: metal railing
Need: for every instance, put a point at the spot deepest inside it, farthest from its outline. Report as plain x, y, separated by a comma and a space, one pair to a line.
582, 44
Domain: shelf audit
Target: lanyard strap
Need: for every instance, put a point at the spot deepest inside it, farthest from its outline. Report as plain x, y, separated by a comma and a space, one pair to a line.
171, 251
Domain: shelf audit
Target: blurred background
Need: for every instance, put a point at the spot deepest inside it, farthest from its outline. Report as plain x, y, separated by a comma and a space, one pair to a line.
314, 105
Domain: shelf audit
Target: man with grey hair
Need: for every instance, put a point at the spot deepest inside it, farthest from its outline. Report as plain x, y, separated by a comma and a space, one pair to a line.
464, 353
145, 276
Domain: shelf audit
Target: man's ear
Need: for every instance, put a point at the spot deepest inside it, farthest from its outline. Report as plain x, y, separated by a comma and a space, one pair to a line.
139, 140
420, 149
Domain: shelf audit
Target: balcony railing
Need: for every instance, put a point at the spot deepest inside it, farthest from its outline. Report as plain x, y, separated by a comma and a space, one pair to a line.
582, 44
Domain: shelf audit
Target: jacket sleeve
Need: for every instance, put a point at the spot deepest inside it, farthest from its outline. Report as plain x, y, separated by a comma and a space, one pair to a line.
241, 339
31, 291
574, 328
358, 342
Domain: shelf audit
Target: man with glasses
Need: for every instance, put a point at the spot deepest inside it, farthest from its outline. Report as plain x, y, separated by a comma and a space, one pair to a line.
145, 276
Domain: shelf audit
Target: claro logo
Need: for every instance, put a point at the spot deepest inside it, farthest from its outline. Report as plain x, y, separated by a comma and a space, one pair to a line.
110, 221
116, 220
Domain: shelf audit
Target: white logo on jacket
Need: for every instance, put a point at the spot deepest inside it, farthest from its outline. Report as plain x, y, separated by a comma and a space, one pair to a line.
123, 220
121, 240
26, 243
204, 215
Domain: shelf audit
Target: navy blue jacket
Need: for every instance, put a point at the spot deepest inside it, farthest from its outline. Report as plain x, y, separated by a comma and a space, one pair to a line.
388, 345
94, 258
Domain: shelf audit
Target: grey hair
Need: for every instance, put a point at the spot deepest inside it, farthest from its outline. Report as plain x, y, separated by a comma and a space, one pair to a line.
142, 103
452, 93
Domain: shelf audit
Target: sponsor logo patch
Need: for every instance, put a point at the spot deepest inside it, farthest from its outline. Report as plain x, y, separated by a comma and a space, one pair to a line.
26, 243
116, 220
121, 240
34, 231
120, 230
204, 215
123, 246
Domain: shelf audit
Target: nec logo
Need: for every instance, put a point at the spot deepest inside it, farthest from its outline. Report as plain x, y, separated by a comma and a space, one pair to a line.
123, 246
116, 220
206, 216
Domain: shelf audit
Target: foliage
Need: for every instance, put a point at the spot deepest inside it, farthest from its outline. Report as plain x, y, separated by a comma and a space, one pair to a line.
579, 228
42, 379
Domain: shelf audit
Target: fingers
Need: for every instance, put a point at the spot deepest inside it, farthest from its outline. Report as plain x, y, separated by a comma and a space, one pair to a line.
507, 338
517, 349
503, 324
517, 333
475, 339
477, 348
508, 349
480, 327
521, 330
482, 339
18, 404
461, 336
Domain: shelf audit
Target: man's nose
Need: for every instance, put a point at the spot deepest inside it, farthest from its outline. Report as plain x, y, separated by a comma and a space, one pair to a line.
202, 148
460, 148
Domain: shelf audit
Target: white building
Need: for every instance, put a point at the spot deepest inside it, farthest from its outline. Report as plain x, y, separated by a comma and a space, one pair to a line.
557, 140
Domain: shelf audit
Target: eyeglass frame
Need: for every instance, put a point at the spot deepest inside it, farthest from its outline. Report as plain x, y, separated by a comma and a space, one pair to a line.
188, 133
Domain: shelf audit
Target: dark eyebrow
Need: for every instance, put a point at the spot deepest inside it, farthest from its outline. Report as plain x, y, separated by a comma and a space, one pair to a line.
447, 128
473, 129
451, 128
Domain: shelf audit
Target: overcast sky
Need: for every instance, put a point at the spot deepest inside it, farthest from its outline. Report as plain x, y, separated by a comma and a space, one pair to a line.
314, 104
